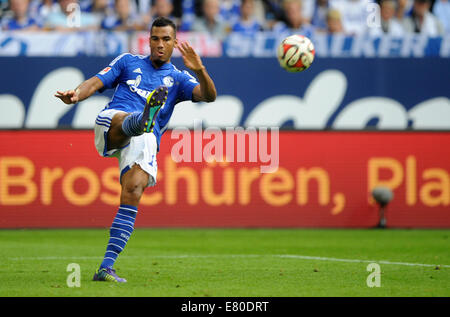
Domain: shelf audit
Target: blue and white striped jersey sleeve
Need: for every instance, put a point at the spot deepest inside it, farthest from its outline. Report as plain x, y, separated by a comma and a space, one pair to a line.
110, 74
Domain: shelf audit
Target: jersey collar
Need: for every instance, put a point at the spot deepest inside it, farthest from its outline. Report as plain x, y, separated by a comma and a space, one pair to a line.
163, 67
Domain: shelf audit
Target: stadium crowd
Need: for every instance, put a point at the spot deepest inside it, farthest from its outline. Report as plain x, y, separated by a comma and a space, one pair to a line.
220, 17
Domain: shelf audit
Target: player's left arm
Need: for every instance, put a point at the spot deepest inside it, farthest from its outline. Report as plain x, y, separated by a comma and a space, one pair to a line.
206, 91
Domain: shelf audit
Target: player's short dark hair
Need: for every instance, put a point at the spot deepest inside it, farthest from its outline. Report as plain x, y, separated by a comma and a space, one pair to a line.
162, 21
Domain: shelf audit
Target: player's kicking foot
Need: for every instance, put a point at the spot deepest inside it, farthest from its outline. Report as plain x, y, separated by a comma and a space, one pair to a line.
109, 275
155, 101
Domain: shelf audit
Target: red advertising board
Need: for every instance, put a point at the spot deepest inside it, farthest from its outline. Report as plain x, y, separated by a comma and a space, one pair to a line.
324, 179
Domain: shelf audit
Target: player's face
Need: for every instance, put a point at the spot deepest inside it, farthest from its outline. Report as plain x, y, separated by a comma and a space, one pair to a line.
162, 42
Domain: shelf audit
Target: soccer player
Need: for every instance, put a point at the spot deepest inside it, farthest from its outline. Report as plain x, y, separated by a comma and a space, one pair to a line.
130, 126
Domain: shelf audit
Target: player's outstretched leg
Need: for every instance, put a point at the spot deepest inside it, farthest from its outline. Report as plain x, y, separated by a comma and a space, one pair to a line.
140, 122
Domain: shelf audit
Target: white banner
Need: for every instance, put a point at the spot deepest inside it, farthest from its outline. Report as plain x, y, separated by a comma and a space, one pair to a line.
62, 44
263, 44
203, 44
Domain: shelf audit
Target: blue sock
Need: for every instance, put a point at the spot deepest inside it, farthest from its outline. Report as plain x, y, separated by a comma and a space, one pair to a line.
131, 125
119, 233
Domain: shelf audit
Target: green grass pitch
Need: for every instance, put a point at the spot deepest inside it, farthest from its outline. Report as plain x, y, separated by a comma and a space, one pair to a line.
229, 262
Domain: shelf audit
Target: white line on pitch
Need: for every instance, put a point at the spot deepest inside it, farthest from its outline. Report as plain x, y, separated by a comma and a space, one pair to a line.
305, 257
286, 256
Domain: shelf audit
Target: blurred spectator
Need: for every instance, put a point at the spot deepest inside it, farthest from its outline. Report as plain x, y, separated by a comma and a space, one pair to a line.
141, 7
3, 6
211, 21
68, 17
247, 25
188, 15
308, 9
101, 6
273, 12
259, 14
86, 5
404, 8
19, 19
422, 20
354, 14
319, 17
388, 21
40, 9
177, 6
122, 19
160, 8
334, 22
441, 10
230, 11
101, 9
294, 21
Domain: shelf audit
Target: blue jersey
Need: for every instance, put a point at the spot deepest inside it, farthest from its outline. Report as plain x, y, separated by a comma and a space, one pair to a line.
247, 28
134, 77
12, 24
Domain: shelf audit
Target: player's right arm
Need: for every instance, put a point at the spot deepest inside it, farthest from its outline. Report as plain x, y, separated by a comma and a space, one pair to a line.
82, 92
